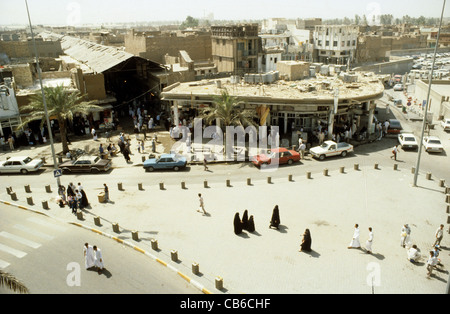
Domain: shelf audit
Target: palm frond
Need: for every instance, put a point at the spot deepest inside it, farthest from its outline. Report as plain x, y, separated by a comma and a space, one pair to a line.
9, 281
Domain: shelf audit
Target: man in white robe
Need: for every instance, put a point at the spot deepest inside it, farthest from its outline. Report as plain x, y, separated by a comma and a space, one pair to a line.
89, 258
405, 235
355, 240
98, 259
369, 241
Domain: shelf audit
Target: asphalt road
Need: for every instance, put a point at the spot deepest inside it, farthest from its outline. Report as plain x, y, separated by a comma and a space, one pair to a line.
47, 256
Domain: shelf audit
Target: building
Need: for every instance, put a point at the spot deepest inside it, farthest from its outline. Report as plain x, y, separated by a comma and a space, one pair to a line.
235, 48
439, 105
335, 44
9, 109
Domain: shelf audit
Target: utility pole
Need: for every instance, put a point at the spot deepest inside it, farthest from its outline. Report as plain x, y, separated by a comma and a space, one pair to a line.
58, 182
430, 79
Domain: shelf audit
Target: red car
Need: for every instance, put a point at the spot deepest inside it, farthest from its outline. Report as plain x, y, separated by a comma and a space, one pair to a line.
280, 155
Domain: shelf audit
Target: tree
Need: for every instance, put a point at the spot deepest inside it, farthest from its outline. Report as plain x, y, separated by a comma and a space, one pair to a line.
62, 103
189, 22
12, 283
357, 19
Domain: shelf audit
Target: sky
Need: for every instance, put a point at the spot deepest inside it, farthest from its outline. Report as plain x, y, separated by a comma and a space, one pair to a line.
79, 12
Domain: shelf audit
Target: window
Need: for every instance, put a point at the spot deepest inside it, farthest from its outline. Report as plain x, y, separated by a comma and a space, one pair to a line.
327, 43
335, 43
343, 43
354, 43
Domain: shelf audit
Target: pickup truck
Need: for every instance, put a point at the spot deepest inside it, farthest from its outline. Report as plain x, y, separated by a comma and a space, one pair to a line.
330, 148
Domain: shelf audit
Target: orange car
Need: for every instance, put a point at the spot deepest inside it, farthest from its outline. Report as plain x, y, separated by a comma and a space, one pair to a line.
279, 155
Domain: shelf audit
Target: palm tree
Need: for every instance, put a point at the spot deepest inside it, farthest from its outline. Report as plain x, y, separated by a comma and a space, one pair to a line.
62, 103
12, 283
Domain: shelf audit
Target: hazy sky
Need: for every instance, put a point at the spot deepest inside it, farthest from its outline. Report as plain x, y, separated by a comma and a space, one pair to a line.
78, 12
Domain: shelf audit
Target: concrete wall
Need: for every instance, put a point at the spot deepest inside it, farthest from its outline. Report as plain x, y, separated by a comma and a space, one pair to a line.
25, 49
439, 93
392, 67
293, 70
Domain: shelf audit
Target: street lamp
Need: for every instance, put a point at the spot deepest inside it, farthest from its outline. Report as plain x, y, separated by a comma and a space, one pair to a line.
43, 95
416, 172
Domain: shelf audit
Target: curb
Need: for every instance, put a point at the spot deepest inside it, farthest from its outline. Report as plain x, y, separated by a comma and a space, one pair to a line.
194, 283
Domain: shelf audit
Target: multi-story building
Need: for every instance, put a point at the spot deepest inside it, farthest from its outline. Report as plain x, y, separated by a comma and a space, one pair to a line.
235, 48
335, 44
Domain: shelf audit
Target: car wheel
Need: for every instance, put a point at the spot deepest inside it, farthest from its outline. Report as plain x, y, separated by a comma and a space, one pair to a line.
321, 157
149, 169
95, 170
176, 168
344, 153
290, 161
23, 171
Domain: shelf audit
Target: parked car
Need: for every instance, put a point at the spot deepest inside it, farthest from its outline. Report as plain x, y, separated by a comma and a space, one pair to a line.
21, 164
86, 163
408, 141
395, 127
165, 161
280, 155
330, 148
445, 123
398, 87
432, 144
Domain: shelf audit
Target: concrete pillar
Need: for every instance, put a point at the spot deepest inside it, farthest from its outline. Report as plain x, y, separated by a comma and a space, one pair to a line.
135, 235
154, 244
219, 283
174, 255
195, 268
176, 118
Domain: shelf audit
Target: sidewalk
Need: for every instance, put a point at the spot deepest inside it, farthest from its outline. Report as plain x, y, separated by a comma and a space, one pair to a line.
268, 261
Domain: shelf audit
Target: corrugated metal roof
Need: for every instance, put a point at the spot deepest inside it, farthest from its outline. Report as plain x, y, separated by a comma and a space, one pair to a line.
98, 57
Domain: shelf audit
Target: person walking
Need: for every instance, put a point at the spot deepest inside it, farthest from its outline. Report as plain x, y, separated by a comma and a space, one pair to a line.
439, 235
369, 241
205, 167
355, 240
106, 190
89, 257
98, 262
305, 246
202, 205
11, 142
275, 220
405, 235
431, 263
394, 152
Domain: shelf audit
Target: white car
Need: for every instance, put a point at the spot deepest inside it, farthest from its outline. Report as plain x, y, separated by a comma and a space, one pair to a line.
398, 87
408, 141
432, 144
20, 165
445, 123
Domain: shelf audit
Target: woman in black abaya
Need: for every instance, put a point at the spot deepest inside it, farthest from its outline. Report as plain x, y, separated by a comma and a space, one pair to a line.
306, 242
275, 221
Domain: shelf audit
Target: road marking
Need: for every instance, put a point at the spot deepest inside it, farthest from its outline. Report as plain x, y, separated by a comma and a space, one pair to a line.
33, 232
46, 224
3, 264
12, 251
16, 238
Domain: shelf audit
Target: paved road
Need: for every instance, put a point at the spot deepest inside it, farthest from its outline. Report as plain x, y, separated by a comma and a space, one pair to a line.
47, 256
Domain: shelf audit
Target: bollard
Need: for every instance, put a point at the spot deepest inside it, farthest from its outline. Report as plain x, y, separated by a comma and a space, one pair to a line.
395, 166
97, 221
228, 182
413, 170
290, 177
135, 235
9, 190
45, 205
448, 209
356, 166
441, 183
30, 200
205, 184
342, 169
447, 190
27, 188
428, 175
447, 198
119, 186
269, 180
161, 185
13, 196
195, 268
219, 283
48, 189
79, 215
308, 175
140, 186
448, 219
249, 181
154, 244
116, 227
174, 255
375, 166
325, 172
183, 185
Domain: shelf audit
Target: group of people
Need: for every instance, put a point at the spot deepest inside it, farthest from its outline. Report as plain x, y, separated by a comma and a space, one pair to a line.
245, 223
93, 257
356, 244
74, 196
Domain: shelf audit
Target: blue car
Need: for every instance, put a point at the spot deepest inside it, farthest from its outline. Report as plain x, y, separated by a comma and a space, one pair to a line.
166, 161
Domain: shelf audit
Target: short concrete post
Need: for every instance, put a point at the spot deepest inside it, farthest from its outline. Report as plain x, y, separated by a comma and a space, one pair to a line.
79, 215
13, 196
413, 170
154, 244
342, 169
448, 219
161, 185
249, 181
45, 205
195, 268
97, 221
116, 227
448, 209
135, 235
447, 190
441, 183
375, 166
9, 190
325, 172
174, 255
27, 188
183, 185
308, 175
269, 180
205, 184
228, 182
48, 189
219, 283
428, 176
290, 177
356, 166
143, 158
395, 166
119, 186
140, 186
447, 198
30, 200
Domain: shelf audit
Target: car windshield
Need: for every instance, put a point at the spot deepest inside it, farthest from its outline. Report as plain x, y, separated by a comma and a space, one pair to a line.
410, 139
435, 142
27, 160
394, 124
324, 145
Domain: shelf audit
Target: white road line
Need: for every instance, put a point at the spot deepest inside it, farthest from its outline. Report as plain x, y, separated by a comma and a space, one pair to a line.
21, 240
33, 232
3, 264
12, 251
46, 224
